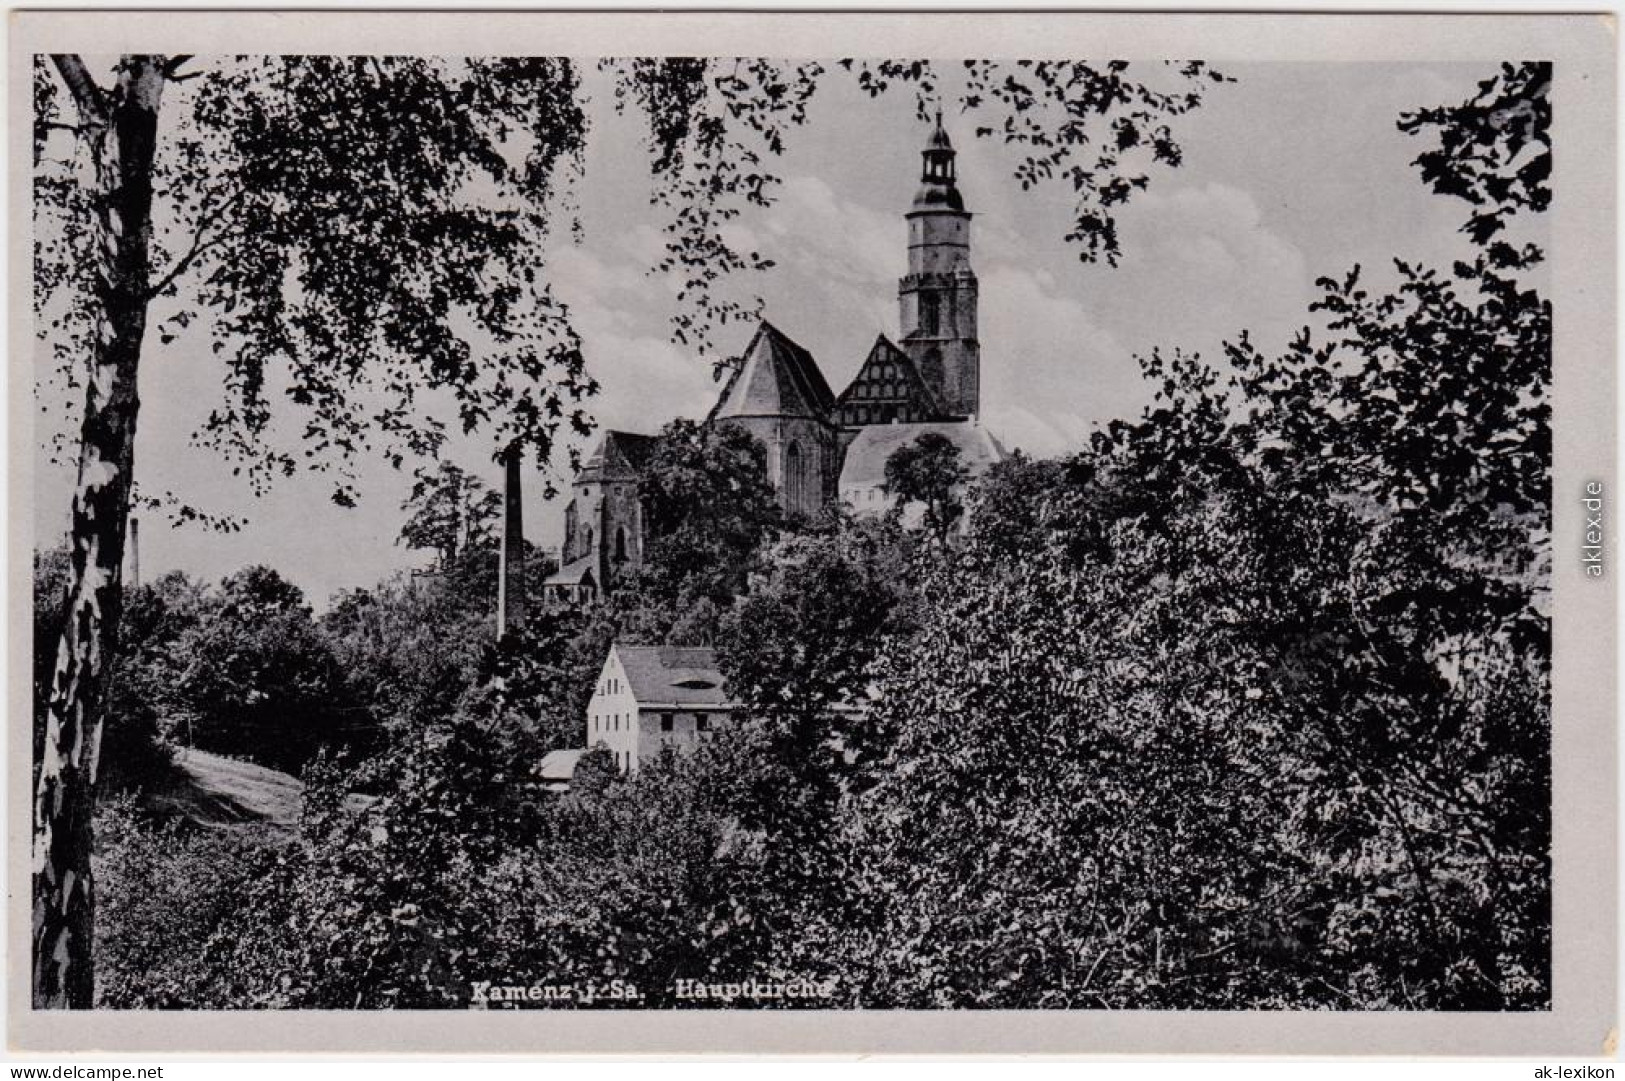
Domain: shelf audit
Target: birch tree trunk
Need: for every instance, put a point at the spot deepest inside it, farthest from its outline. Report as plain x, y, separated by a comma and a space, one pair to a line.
117, 134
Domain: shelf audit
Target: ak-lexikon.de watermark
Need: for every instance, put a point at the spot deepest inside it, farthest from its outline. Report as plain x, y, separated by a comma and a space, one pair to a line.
1591, 538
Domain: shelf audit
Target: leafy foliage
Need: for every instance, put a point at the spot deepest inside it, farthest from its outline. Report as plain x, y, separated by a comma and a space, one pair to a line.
450, 511
708, 507
255, 677
929, 471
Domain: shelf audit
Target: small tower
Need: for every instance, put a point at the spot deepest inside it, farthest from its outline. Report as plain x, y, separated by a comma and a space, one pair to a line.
937, 297
603, 522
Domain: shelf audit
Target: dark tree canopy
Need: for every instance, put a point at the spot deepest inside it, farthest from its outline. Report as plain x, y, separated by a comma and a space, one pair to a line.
929, 471
451, 511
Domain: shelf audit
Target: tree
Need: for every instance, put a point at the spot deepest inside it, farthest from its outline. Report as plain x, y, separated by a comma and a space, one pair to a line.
708, 508
928, 471
450, 511
1259, 717
1009, 504
318, 209
795, 652
256, 678
345, 175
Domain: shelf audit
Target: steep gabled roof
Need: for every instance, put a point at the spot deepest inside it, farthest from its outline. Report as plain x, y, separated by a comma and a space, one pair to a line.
577, 573
616, 454
667, 675
865, 464
919, 391
775, 378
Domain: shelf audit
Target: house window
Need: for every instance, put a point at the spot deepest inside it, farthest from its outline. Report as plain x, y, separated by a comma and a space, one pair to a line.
665, 722
620, 544
702, 723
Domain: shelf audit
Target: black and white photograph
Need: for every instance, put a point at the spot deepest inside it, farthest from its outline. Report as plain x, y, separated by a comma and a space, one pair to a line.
864, 531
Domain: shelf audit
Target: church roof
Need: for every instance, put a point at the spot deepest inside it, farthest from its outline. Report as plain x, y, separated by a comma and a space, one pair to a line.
578, 572
776, 378
919, 392
669, 675
616, 454
865, 464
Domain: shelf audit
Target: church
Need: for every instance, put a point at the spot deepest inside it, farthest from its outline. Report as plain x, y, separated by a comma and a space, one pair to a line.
822, 448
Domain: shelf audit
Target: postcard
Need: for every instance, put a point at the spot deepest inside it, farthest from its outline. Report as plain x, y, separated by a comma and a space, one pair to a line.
916, 532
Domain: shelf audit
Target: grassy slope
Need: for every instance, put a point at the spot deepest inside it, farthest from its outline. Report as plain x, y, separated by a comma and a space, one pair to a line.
212, 791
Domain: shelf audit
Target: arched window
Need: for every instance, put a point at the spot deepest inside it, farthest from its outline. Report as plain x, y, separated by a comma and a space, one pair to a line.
620, 543
795, 478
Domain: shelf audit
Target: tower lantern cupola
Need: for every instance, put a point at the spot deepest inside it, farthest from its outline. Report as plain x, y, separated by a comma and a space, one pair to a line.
937, 188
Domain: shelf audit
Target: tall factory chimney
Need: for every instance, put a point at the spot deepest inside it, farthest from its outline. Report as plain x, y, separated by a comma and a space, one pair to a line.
511, 582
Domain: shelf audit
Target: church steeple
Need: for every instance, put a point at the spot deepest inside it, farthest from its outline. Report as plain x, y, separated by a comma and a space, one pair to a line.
937, 297
937, 181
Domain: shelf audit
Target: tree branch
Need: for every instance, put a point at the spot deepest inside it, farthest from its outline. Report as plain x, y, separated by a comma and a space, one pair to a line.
199, 245
89, 98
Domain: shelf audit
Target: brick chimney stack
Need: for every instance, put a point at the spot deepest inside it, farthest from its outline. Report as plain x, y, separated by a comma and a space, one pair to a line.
511, 582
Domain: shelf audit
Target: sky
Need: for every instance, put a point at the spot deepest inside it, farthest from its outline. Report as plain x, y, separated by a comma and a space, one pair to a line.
1291, 172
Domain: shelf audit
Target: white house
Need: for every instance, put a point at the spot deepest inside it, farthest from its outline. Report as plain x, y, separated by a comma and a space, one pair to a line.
649, 697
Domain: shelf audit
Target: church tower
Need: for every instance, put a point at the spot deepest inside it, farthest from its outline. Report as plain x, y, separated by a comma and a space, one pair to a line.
937, 297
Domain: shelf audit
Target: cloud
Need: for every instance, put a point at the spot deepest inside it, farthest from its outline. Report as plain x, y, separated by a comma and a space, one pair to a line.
644, 379
1050, 371
1201, 262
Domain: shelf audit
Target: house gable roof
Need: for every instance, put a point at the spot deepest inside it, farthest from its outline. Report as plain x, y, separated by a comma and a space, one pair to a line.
669, 675
917, 393
775, 378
